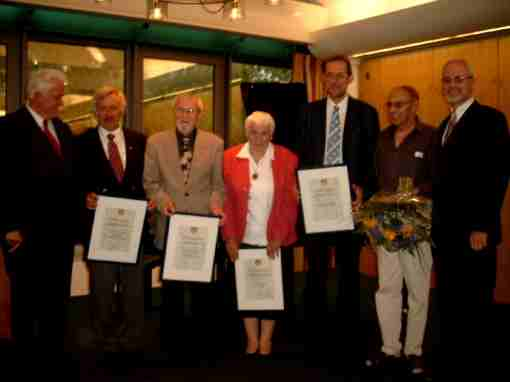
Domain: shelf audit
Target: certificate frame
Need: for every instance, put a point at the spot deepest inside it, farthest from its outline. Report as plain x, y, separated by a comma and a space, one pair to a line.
326, 199
184, 231
110, 242
248, 260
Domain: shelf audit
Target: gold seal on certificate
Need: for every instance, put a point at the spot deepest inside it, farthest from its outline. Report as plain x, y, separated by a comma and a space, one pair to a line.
326, 199
117, 230
259, 283
190, 248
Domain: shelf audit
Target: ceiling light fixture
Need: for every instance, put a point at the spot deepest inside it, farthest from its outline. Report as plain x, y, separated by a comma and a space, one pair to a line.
273, 3
231, 9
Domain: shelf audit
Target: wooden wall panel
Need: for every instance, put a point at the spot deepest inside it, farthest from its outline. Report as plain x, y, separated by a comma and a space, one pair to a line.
504, 76
409, 69
490, 61
482, 56
422, 69
503, 276
370, 82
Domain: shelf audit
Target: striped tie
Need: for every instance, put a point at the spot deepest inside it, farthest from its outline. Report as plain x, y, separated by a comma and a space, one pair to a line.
334, 140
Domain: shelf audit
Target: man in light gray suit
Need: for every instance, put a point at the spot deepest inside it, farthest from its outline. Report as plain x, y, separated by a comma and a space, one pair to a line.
184, 173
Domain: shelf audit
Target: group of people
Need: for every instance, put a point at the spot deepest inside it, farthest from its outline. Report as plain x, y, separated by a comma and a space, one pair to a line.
252, 188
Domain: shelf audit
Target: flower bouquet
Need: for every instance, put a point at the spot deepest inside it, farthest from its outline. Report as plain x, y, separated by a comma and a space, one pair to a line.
397, 221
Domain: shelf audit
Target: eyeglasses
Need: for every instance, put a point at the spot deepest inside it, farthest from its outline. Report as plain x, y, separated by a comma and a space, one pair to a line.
186, 110
336, 76
456, 80
397, 104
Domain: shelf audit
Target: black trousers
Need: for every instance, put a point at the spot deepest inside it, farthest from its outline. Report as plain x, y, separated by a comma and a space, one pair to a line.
342, 322
466, 281
40, 279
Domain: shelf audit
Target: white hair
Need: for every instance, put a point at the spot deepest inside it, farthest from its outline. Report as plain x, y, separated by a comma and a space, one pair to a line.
260, 118
43, 80
196, 99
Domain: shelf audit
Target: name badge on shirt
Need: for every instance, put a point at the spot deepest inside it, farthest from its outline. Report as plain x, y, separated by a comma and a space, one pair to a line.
418, 154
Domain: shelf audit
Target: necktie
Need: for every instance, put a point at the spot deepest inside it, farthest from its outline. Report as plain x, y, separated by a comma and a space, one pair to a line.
334, 139
186, 158
449, 128
115, 161
51, 138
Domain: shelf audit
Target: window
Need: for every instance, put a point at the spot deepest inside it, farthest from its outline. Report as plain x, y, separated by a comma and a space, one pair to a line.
87, 69
163, 80
3, 79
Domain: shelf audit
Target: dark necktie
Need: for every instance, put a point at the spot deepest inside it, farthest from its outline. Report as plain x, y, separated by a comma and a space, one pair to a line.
51, 138
449, 128
115, 161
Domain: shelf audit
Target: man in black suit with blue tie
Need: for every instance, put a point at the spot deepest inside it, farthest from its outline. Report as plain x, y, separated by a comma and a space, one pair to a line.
39, 208
473, 172
338, 129
111, 162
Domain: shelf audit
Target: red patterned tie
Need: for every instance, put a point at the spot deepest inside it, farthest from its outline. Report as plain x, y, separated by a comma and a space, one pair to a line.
53, 141
115, 161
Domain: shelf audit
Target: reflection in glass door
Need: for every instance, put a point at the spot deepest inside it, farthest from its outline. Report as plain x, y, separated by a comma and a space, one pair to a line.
87, 69
163, 80
3, 79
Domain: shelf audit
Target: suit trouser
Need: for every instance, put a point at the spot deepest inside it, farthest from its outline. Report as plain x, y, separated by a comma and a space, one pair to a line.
40, 289
124, 325
466, 281
393, 269
347, 310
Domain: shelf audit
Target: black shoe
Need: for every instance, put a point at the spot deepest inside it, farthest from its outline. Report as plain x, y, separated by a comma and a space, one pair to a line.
383, 363
416, 364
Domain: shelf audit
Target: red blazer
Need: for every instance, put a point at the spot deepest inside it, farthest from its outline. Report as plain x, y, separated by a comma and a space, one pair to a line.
282, 219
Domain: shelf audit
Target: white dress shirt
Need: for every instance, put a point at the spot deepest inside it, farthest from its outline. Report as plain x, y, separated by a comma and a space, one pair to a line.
260, 198
119, 141
342, 112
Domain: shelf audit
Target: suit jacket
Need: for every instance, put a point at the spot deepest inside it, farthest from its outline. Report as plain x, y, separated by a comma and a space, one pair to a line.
473, 174
282, 219
163, 178
39, 197
96, 173
359, 140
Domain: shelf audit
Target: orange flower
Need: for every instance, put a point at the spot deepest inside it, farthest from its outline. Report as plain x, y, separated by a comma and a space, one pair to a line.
389, 235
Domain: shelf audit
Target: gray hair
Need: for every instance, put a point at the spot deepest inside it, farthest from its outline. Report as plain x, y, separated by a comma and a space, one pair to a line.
197, 99
106, 91
260, 118
43, 80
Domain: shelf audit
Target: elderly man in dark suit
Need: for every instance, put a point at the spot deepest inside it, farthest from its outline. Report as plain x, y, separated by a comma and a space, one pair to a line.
111, 163
184, 173
338, 129
39, 206
473, 176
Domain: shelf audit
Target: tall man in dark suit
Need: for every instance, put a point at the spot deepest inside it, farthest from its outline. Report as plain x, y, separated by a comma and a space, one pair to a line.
358, 128
472, 178
39, 206
111, 163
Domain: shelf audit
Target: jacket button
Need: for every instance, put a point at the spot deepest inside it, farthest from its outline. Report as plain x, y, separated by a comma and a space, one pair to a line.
186, 194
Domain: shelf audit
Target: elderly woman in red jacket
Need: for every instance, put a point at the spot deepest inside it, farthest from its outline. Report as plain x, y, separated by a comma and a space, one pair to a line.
261, 204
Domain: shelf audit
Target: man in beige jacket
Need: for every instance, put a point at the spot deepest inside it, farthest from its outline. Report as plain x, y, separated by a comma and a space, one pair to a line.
184, 173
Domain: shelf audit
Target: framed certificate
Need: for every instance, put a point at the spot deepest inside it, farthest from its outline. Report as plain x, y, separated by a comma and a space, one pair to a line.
190, 247
326, 199
259, 283
117, 230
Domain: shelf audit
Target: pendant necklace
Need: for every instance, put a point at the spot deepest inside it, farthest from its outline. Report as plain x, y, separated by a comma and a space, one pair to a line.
255, 169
